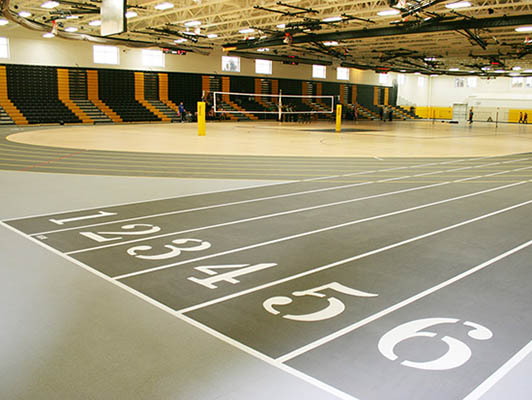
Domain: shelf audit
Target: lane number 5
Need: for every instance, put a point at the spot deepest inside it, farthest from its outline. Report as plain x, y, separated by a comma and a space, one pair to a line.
334, 308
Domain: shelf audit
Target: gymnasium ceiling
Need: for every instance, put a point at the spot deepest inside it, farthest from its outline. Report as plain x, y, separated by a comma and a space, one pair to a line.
423, 36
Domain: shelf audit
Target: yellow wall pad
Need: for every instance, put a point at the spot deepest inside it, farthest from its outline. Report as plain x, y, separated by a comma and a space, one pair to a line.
11, 110
513, 115
435, 112
63, 92
375, 95
92, 92
139, 96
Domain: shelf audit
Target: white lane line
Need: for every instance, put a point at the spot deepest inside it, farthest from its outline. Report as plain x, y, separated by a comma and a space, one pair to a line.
292, 371
233, 203
303, 234
395, 307
481, 390
251, 200
148, 201
260, 217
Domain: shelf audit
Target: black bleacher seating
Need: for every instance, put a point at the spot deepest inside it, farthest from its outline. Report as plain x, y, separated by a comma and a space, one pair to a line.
33, 90
186, 88
116, 88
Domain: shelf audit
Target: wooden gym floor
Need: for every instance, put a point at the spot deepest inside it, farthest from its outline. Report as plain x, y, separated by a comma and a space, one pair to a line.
265, 260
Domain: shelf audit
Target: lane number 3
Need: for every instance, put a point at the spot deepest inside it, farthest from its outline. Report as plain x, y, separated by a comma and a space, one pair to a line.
334, 307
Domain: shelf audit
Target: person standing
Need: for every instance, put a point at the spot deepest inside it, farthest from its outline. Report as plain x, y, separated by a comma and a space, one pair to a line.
520, 117
525, 118
471, 115
181, 109
381, 113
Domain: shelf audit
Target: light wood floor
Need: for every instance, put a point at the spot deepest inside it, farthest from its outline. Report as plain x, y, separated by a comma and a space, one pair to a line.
360, 139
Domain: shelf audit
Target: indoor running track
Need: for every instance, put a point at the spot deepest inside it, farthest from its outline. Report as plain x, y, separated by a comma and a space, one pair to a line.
405, 282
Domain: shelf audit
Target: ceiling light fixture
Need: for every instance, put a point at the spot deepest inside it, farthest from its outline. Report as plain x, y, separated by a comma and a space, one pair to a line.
50, 4
212, 35
332, 19
71, 29
330, 43
24, 14
164, 6
281, 26
96, 22
523, 29
385, 13
48, 35
263, 49
459, 4
247, 30
192, 23
72, 17
131, 14
4, 22
454, 69
183, 40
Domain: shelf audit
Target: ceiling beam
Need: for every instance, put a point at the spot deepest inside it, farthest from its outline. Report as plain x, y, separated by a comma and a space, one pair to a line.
426, 27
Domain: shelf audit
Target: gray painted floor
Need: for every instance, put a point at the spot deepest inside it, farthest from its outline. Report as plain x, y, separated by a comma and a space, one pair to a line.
69, 333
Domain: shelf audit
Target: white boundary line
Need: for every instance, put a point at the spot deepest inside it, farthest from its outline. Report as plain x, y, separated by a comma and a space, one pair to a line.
395, 307
480, 390
257, 199
292, 371
252, 186
347, 260
264, 216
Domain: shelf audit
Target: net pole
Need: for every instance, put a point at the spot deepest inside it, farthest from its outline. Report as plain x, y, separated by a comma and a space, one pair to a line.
201, 118
338, 117
280, 104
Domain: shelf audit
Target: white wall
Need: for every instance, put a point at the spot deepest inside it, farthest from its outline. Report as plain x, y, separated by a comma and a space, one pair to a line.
441, 92
29, 47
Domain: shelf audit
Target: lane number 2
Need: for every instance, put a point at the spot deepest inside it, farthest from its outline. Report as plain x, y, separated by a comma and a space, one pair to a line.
127, 230
334, 308
457, 354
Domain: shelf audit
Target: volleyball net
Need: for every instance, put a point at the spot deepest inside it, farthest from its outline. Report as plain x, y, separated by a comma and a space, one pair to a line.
276, 105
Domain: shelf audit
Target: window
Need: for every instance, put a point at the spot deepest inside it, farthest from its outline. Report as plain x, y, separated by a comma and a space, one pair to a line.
529, 82
342, 74
401, 79
472, 82
517, 82
4, 47
153, 58
263, 67
383, 79
421, 81
230, 64
319, 71
105, 54
459, 82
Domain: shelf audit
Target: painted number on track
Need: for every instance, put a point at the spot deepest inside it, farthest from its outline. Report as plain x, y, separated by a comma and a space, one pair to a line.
334, 308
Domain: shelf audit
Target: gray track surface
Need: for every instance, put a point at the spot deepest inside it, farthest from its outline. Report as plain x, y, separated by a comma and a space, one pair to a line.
393, 229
